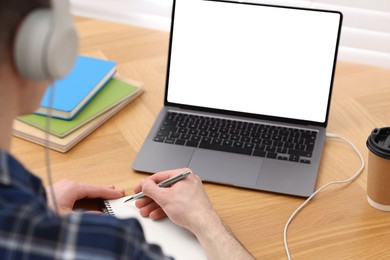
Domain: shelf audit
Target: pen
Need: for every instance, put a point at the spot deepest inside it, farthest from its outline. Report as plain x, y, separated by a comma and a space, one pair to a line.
162, 184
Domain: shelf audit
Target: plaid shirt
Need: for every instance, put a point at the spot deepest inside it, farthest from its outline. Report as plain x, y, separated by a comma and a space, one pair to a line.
30, 230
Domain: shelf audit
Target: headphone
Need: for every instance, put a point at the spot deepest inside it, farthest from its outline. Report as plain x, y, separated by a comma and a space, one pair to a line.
46, 44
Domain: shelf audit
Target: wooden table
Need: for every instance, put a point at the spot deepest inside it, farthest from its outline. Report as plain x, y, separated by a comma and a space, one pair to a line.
338, 224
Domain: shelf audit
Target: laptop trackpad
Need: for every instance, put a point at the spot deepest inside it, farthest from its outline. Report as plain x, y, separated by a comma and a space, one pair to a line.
221, 167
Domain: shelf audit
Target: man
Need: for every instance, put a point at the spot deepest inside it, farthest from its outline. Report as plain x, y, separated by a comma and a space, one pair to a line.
31, 229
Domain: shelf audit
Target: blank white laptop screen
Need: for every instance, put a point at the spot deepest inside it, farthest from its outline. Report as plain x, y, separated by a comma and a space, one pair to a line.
254, 59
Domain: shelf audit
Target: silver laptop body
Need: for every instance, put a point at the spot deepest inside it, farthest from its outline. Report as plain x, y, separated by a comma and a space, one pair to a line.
262, 66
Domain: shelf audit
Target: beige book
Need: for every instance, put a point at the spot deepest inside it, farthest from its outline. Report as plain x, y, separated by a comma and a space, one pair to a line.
38, 136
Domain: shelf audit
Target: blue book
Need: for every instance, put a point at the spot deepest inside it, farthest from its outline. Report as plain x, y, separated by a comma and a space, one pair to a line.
73, 92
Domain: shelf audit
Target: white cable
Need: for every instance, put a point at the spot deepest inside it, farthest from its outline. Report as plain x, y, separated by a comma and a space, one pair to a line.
352, 178
47, 143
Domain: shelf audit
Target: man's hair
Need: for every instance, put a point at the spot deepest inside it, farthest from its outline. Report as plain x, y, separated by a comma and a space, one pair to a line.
12, 13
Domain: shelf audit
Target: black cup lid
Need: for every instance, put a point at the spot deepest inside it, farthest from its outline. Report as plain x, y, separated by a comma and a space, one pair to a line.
379, 142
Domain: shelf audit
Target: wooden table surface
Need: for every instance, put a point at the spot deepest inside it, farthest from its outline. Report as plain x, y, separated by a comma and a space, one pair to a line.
338, 224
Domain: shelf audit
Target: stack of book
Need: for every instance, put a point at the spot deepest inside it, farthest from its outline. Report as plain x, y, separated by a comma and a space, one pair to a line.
81, 102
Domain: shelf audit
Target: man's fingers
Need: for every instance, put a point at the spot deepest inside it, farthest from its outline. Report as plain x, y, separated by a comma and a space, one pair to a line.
146, 210
92, 192
139, 203
162, 176
157, 214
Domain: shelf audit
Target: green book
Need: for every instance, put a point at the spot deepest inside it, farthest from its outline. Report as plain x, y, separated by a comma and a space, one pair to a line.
113, 93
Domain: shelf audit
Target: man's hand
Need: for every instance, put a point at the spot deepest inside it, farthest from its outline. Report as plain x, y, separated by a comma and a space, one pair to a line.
187, 204
67, 192
183, 202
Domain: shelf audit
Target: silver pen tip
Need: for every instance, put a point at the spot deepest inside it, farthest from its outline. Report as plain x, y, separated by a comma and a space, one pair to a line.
129, 199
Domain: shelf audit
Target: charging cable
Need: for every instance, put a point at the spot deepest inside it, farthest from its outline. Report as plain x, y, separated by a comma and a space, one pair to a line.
351, 179
49, 116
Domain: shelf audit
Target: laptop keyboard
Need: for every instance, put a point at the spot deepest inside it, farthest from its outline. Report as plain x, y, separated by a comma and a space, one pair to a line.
262, 140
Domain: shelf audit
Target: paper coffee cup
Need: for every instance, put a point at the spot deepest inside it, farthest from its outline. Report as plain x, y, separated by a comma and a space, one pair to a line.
378, 176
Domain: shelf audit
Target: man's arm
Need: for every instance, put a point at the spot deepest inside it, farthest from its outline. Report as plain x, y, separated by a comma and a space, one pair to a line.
186, 203
218, 241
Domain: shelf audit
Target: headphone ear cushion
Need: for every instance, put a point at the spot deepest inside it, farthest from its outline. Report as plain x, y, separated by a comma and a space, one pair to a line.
30, 49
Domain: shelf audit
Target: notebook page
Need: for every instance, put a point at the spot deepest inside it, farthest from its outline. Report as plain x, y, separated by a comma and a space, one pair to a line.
175, 241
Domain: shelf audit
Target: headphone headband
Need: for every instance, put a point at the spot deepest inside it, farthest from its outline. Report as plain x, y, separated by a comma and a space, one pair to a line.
63, 45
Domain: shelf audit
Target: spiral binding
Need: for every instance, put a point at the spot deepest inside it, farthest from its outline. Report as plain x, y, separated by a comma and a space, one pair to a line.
106, 209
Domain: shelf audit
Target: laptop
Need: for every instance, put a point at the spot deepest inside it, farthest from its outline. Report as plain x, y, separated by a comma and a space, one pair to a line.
248, 91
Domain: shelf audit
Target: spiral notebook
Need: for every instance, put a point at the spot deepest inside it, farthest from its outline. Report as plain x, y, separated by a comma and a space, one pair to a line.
175, 241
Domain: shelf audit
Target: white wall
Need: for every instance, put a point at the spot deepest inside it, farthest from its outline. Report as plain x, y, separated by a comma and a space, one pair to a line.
365, 35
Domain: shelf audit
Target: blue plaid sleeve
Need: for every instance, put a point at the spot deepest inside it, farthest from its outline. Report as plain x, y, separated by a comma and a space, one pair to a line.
30, 230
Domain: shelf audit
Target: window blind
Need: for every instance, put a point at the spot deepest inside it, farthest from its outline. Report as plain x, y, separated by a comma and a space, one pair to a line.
365, 34
155, 14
